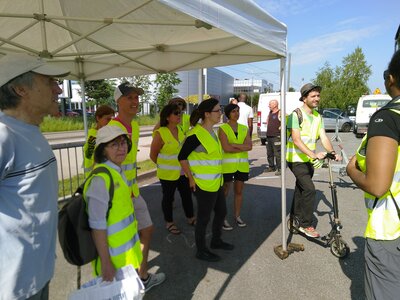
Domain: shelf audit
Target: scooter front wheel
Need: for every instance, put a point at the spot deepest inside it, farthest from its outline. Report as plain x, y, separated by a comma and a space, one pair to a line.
339, 248
293, 225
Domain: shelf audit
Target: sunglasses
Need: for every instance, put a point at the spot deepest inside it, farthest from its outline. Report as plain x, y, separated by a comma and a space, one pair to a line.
177, 113
386, 74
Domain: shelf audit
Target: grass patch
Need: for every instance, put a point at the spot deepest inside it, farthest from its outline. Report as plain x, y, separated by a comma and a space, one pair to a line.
56, 124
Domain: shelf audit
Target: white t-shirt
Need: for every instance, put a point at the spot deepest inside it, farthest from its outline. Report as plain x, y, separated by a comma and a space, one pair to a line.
245, 113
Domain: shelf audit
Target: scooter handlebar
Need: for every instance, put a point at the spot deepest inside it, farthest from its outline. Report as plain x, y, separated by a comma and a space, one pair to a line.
330, 155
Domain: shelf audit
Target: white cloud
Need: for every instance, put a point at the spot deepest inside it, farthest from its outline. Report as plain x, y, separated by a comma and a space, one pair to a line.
318, 49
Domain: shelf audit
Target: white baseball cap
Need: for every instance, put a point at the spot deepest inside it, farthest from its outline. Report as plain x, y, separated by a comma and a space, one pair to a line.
108, 133
15, 64
124, 89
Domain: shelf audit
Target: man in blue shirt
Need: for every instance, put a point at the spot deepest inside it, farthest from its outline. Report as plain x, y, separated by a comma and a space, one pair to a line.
28, 177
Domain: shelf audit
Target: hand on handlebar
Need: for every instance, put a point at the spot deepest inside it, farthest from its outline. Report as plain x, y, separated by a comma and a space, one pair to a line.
317, 163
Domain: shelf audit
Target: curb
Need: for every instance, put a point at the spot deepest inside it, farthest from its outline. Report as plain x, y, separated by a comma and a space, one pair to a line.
152, 173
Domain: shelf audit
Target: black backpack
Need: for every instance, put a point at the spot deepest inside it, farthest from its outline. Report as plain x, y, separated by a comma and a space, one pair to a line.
74, 233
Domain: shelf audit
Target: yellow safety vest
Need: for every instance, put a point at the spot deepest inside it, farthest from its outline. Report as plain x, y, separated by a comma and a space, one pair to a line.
185, 123
88, 150
309, 134
129, 165
168, 166
232, 162
206, 160
383, 219
122, 232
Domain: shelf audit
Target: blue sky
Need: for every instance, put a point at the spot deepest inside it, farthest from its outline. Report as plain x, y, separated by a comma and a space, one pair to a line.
322, 31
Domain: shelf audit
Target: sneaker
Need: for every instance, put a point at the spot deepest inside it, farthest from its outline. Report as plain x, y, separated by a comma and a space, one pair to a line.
309, 231
227, 226
153, 280
207, 255
240, 223
278, 173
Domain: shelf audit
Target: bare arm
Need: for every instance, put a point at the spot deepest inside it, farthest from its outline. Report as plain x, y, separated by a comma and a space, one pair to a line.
250, 123
247, 144
226, 146
156, 146
326, 143
100, 240
381, 159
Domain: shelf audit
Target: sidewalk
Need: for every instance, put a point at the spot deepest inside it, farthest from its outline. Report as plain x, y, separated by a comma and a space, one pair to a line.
252, 270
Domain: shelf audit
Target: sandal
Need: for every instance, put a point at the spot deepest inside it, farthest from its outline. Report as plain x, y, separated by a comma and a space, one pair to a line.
173, 229
192, 222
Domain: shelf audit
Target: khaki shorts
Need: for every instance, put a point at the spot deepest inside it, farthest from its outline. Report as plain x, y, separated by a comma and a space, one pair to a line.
142, 212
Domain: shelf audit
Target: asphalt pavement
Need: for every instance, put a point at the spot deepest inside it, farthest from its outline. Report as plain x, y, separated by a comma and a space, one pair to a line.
252, 270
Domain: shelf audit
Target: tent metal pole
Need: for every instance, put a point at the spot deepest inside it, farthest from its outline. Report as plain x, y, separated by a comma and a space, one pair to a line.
283, 150
200, 86
83, 98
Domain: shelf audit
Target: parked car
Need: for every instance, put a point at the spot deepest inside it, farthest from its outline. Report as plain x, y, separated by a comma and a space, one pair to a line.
333, 119
70, 113
80, 112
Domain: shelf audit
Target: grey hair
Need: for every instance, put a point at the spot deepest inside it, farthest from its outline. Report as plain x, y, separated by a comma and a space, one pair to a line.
8, 97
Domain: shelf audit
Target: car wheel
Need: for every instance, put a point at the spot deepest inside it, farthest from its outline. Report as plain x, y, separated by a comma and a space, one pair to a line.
263, 141
346, 127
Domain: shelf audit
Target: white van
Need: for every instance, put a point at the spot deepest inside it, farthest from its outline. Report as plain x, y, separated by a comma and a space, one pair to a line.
367, 105
292, 102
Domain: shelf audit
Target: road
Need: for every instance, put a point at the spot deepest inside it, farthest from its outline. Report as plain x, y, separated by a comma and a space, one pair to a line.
252, 270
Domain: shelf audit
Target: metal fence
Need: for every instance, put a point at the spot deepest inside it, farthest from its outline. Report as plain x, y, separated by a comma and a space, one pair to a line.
70, 167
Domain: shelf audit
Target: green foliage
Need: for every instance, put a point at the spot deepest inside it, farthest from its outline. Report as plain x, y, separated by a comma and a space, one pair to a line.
165, 85
53, 124
100, 92
254, 100
343, 86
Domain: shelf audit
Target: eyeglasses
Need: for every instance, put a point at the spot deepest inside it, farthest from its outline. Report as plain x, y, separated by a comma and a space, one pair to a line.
386, 74
217, 110
177, 113
118, 144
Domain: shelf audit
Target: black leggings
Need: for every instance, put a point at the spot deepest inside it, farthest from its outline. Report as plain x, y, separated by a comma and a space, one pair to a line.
168, 189
206, 203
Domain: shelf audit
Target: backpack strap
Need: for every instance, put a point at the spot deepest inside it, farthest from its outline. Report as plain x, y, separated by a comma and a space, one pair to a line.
99, 170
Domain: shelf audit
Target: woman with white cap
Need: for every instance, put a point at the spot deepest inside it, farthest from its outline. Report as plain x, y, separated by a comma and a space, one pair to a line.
114, 227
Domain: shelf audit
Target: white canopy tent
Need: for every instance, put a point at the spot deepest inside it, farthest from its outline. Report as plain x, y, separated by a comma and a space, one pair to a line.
98, 39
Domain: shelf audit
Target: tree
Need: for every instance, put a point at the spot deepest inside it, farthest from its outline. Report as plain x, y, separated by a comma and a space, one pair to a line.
99, 92
344, 85
165, 86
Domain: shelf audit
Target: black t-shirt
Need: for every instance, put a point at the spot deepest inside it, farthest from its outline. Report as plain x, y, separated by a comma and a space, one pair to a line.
191, 143
385, 123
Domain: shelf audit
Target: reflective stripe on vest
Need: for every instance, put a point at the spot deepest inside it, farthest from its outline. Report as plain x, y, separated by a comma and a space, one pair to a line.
309, 134
383, 219
129, 164
168, 166
206, 165
232, 162
122, 233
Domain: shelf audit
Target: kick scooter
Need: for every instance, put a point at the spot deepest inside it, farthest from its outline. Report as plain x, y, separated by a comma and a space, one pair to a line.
333, 239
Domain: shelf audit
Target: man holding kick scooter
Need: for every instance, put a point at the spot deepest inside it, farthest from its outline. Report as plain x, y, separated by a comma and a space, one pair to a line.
305, 126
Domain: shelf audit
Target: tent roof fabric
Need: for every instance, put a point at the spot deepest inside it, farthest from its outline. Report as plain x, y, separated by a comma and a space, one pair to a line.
107, 39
